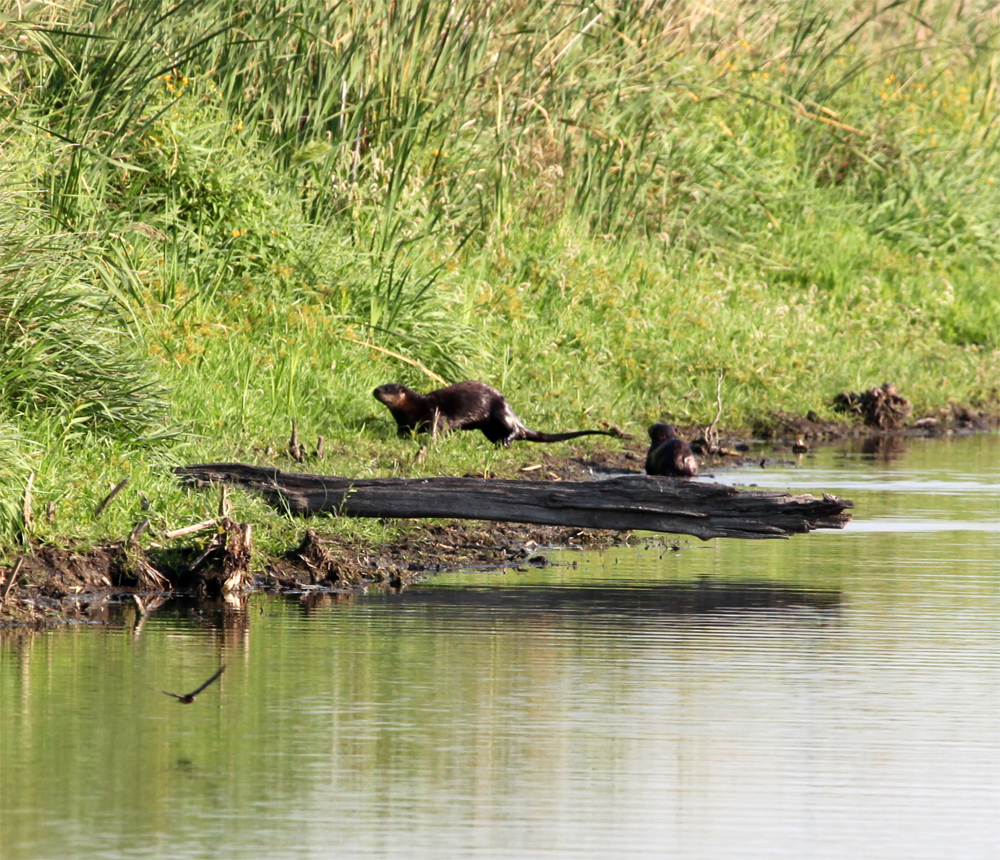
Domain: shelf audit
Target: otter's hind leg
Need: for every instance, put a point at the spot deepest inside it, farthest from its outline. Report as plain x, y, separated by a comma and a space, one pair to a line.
506, 425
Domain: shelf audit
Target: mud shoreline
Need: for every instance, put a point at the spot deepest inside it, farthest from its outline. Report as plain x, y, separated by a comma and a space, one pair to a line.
52, 585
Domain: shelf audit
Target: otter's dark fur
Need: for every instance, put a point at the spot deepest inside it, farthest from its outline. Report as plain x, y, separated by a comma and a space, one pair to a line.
668, 454
467, 405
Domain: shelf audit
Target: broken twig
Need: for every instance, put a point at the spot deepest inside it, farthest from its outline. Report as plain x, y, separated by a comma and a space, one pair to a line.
11, 579
137, 531
293, 444
109, 497
26, 507
188, 530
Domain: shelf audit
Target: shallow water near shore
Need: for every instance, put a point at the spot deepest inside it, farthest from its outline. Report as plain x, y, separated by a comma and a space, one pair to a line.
834, 695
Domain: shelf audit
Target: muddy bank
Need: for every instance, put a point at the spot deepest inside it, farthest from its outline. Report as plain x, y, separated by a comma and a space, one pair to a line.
55, 585
786, 426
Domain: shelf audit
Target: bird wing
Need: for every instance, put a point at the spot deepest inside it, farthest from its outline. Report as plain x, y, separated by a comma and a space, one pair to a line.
194, 693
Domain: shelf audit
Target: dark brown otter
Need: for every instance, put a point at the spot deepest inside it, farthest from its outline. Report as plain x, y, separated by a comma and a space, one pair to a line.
467, 405
668, 454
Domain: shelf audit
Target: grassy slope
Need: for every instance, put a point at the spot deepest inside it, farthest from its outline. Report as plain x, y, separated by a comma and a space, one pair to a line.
598, 216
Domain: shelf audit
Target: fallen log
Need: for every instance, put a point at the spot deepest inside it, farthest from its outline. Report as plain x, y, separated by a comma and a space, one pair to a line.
630, 502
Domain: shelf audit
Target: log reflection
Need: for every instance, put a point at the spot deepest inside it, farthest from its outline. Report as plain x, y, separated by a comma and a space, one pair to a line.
692, 598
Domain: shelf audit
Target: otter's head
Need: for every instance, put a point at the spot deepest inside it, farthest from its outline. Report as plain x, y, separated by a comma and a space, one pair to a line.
392, 394
661, 432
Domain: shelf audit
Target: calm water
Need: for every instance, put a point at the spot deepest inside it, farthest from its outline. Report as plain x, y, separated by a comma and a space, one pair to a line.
832, 696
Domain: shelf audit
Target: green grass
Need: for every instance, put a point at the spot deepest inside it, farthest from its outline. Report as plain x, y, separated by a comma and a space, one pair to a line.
599, 210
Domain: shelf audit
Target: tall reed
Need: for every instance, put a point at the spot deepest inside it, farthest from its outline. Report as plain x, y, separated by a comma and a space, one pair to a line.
448, 115
66, 350
356, 155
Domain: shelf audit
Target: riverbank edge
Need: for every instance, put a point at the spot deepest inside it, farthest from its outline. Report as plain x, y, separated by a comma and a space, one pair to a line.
51, 585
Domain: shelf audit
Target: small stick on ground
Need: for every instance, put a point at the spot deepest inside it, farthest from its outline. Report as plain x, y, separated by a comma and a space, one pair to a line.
711, 433
224, 504
320, 447
109, 497
236, 561
138, 530
293, 445
26, 506
188, 530
11, 579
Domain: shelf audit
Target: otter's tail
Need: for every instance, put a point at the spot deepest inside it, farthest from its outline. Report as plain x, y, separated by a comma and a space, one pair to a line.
535, 436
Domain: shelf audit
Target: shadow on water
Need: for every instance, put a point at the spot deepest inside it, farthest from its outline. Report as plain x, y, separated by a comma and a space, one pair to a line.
703, 596
706, 595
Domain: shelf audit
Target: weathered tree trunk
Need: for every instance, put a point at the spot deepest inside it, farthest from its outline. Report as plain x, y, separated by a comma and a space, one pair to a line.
630, 502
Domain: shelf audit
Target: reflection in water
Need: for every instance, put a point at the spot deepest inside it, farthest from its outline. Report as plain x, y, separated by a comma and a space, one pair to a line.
834, 695
887, 448
689, 598
313, 601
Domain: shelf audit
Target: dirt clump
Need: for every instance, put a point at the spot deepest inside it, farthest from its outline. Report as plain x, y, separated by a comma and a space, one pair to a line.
880, 406
55, 584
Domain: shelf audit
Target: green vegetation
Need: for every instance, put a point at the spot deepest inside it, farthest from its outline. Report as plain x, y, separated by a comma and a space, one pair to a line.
216, 217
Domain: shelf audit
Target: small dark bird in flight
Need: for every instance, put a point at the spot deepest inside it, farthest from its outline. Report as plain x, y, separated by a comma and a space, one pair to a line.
188, 698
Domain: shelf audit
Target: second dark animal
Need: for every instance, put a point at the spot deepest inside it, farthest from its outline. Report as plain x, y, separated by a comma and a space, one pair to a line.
467, 405
668, 454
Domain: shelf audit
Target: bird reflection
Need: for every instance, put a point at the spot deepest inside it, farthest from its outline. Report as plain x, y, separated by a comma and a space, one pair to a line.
188, 698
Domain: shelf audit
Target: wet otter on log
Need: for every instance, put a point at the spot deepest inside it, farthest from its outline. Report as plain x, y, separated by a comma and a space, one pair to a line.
668, 454
467, 405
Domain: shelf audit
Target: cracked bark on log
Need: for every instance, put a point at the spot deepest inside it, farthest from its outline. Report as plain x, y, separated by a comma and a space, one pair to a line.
630, 502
